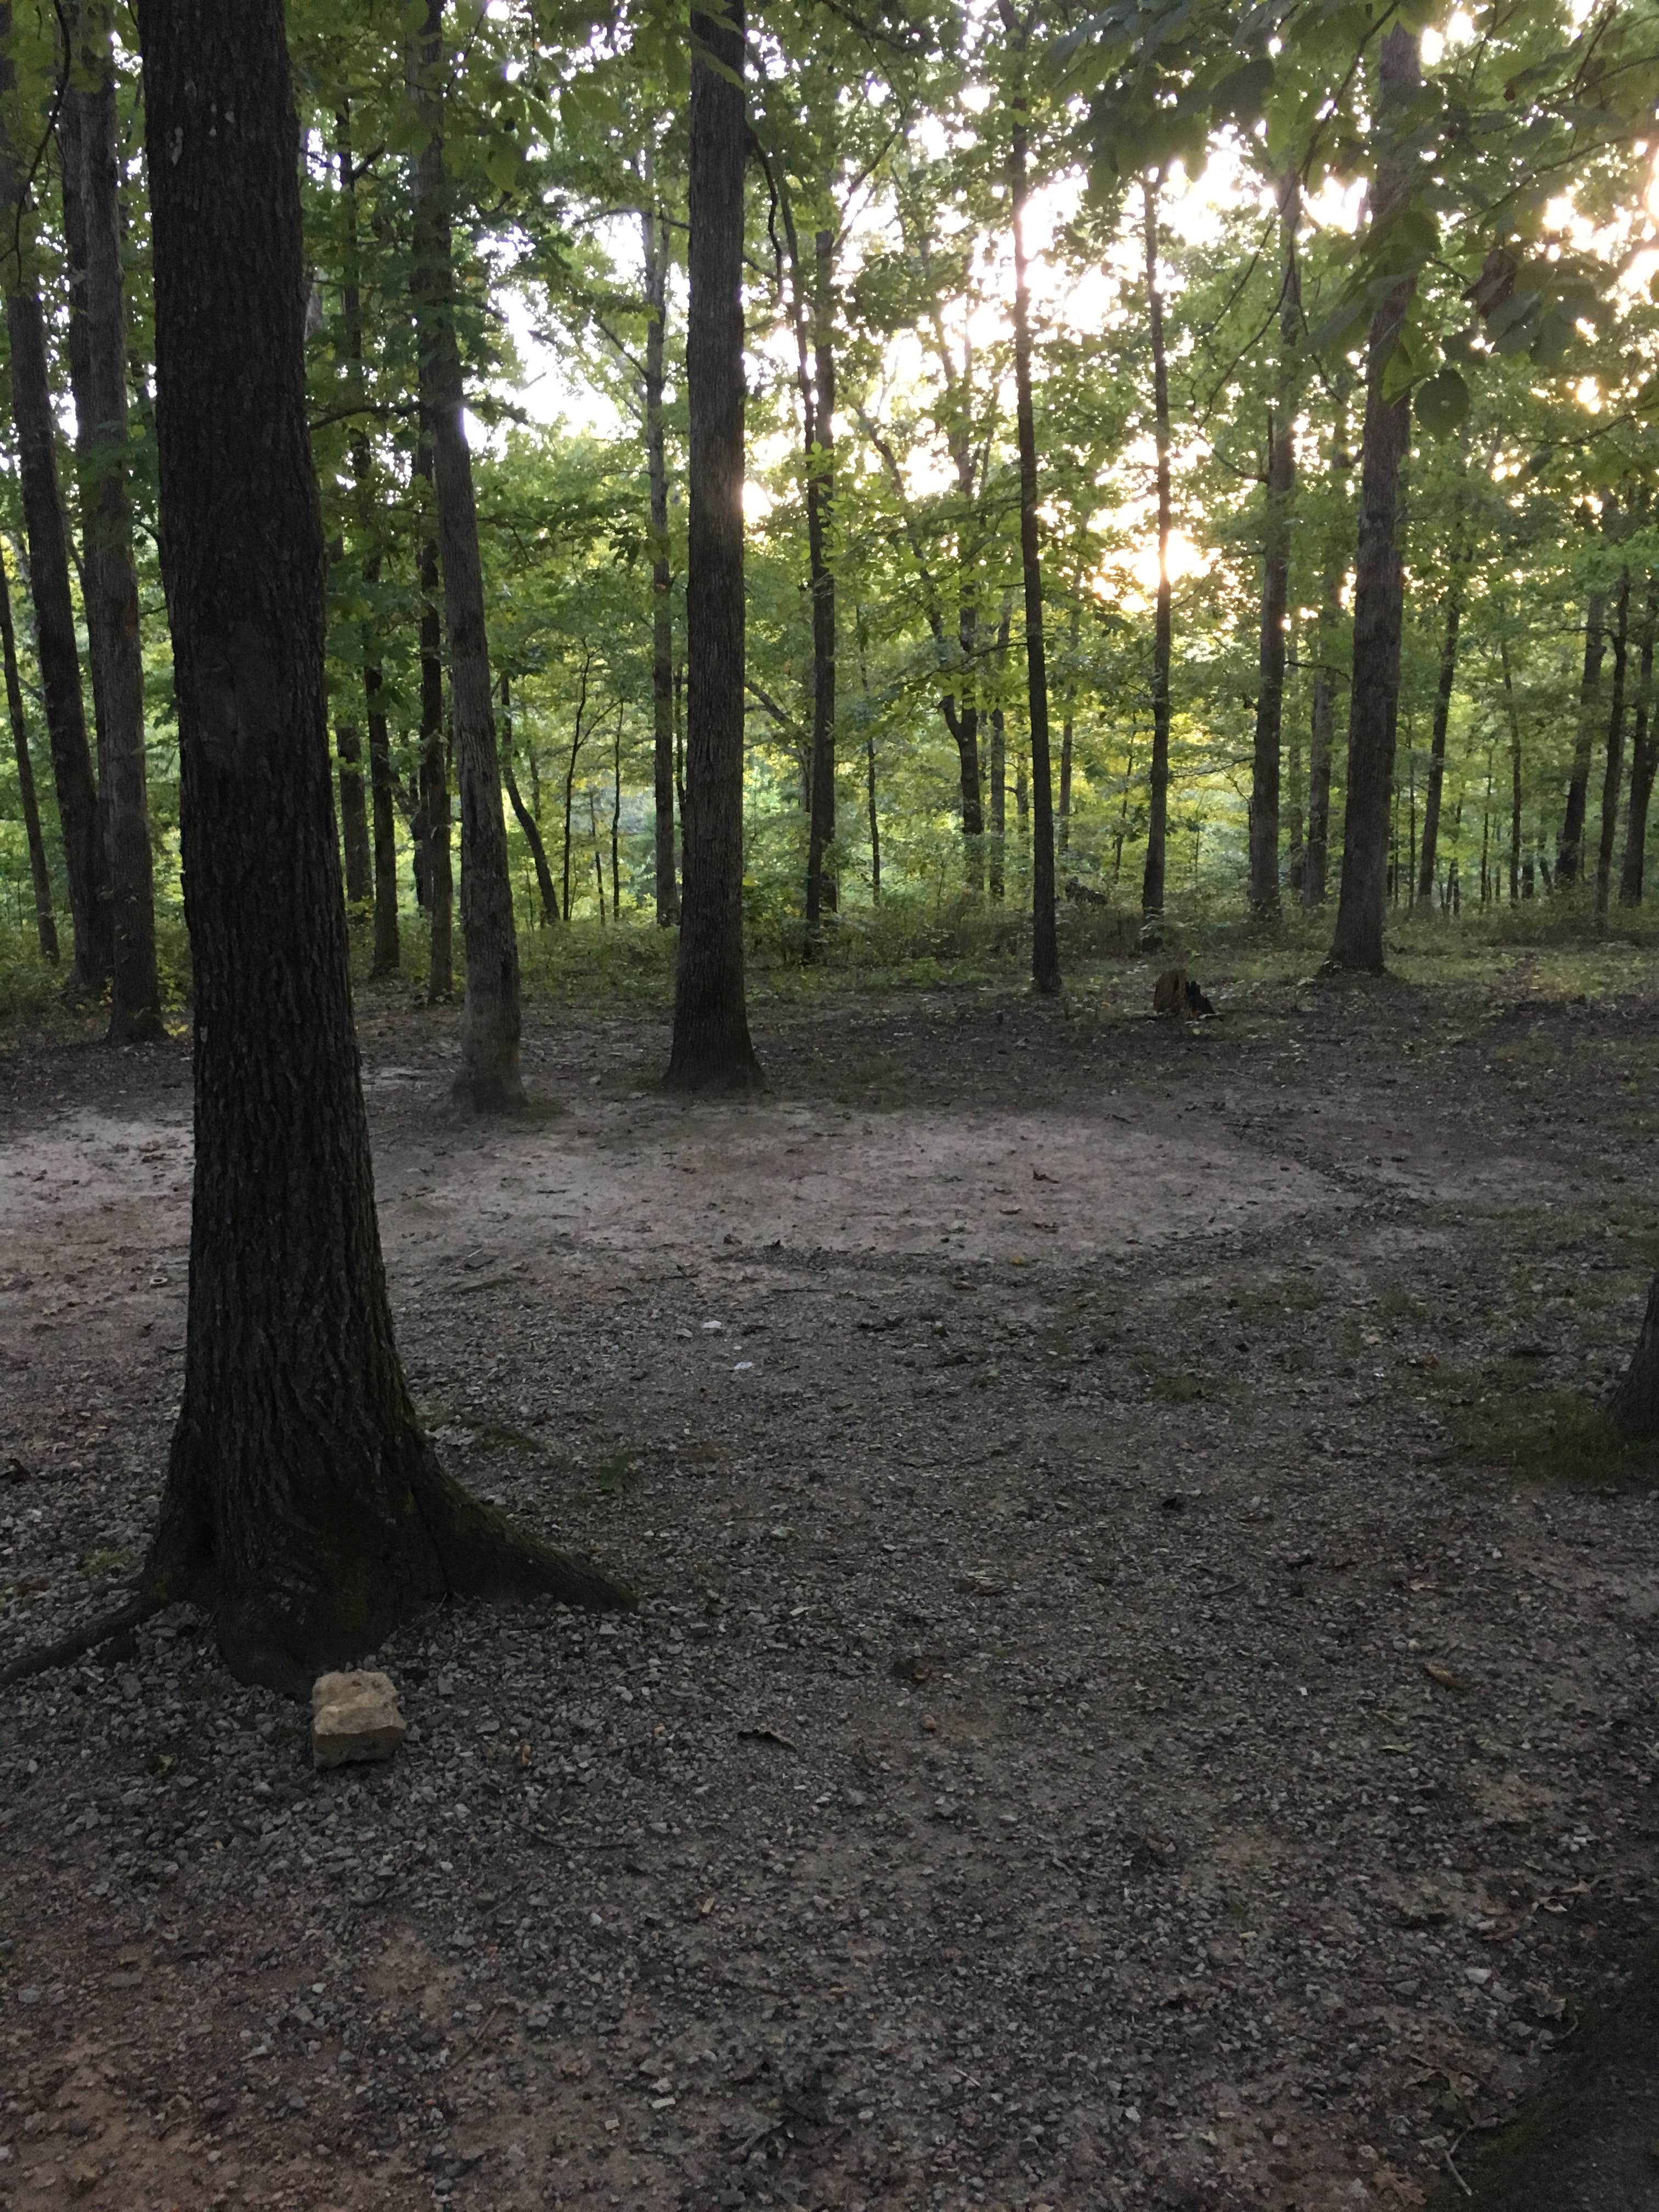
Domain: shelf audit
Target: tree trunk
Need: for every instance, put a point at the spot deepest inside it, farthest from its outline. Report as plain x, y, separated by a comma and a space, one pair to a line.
1065, 727
354, 813
434, 769
1374, 697
303, 1508
711, 1048
45, 927
1322, 730
1634, 1405
1045, 937
388, 952
1569, 851
1644, 757
1445, 685
527, 822
1514, 716
55, 649
654, 237
489, 1078
1276, 570
110, 581
818, 392
1157, 814
1613, 775
998, 765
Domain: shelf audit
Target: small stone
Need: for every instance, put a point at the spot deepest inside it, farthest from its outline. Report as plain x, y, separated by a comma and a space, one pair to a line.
355, 1717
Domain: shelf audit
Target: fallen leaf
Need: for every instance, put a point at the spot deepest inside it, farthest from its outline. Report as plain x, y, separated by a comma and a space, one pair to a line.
1445, 1677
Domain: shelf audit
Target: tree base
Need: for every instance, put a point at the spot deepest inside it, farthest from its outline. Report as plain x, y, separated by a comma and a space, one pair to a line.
742, 1078
143, 1027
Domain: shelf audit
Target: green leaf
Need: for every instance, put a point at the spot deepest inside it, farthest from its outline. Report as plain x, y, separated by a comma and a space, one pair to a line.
1442, 402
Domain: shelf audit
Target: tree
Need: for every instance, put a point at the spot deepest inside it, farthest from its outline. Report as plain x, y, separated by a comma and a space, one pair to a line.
1152, 882
45, 926
711, 1048
303, 1508
110, 581
490, 1077
1276, 569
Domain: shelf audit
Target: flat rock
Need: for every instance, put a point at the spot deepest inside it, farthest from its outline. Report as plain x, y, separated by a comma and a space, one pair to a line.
355, 1717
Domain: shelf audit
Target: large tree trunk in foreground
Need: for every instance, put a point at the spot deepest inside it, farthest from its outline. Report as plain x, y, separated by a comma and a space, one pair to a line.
1569, 851
54, 648
45, 927
653, 232
1374, 697
1045, 936
1158, 812
1276, 570
110, 581
303, 1507
489, 1078
711, 1048
1614, 776
1645, 758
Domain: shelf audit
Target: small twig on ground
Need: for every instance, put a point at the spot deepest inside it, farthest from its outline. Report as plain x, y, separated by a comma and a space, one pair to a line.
1451, 2167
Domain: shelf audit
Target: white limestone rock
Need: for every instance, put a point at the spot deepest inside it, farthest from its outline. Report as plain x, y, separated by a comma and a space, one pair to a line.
355, 1717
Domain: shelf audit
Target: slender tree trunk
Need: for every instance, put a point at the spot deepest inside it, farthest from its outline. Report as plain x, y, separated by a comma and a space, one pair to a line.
1374, 697
489, 1078
1045, 937
1065, 727
616, 818
55, 646
570, 777
870, 762
1514, 716
1613, 775
999, 765
1157, 816
527, 822
110, 581
1445, 685
654, 237
1644, 757
819, 386
303, 1508
1569, 850
1276, 568
1322, 729
388, 952
434, 769
354, 813
711, 1048
45, 927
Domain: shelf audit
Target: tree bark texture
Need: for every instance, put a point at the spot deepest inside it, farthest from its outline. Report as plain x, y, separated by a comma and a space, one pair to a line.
820, 494
303, 1507
109, 578
1045, 934
55, 647
711, 1048
1569, 852
1374, 697
1513, 714
997, 766
45, 926
435, 771
489, 1078
1644, 757
1158, 812
1634, 1405
1613, 776
1276, 570
654, 237
388, 951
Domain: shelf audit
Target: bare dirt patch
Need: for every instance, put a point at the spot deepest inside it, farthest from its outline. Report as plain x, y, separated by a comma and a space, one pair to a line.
1025, 1782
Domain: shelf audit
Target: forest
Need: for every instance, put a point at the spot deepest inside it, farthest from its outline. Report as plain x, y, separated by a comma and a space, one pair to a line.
827, 1035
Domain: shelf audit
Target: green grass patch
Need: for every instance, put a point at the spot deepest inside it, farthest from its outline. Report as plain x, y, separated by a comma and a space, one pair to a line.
1554, 1436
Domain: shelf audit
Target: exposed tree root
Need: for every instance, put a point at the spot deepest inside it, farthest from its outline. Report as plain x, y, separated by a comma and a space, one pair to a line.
483, 1556
87, 1638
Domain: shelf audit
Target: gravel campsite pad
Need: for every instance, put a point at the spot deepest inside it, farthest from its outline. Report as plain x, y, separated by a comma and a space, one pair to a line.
1101, 1728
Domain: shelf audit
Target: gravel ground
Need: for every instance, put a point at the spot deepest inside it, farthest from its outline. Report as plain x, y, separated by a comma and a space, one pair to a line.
1096, 1733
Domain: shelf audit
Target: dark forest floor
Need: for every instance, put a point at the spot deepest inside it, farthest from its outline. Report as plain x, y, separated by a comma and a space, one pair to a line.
1133, 1704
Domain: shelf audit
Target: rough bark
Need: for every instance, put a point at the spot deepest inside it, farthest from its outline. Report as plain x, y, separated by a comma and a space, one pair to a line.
354, 813
654, 237
1322, 730
1613, 776
388, 951
1045, 937
1645, 758
54, 648
820, 494
1445, 683
45, 926
1276, 570
527, 822
1374, 698
1157, 812
1568, 849
1065, 833
489, 1078
109, 578
711, 1048
435, 770
303, 1507
997, 766
1513, 714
